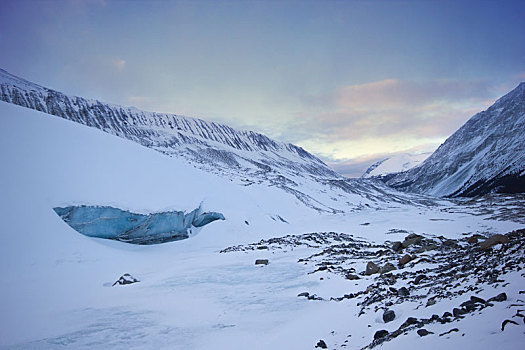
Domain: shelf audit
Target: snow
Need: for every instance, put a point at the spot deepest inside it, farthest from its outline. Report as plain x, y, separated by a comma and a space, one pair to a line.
395, 164
56, 283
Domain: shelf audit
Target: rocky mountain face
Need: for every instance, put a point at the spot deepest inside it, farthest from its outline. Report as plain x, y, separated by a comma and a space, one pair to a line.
245, 157
487, 154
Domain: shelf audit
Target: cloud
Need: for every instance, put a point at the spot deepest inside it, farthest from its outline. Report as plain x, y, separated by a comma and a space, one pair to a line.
119, 64
388, 115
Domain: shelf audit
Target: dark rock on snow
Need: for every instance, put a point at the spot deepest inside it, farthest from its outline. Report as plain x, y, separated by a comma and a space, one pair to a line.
403, 291
380, 334
405, 259
505, 323
500, 297
126, 279
389, 316
423, 332
321, 344
371, 268
492, 241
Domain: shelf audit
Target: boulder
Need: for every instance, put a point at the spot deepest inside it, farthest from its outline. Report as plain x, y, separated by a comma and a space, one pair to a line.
389, 316
410, 321
405, 259
321, 344
126, 279
387, 268
411, 240
492, 241
423, 332
380, 334
419, 278
500, 297
351, 276
397, 246
371, 268
261, 262
457, 312
403, 291
472, 240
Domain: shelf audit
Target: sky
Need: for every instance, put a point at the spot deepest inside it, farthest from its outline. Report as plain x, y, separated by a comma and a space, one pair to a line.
352, 82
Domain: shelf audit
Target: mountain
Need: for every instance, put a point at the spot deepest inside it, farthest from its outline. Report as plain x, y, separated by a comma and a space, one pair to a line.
63, 289
243, 157
394, 164
487, 154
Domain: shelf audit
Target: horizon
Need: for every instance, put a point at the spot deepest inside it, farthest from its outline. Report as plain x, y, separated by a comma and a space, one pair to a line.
352, 82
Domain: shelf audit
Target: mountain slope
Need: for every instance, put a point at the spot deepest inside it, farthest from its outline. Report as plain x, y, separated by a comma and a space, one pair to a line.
487, 154
394, 164
244, 157
57, 285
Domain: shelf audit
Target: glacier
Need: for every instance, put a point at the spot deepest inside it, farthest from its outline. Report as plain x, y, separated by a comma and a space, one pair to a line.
125, 226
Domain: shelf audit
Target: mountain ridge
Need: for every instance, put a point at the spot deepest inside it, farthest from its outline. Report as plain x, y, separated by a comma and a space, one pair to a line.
486, 154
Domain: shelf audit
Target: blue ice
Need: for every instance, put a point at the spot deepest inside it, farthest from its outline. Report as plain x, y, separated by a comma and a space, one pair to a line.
122, 225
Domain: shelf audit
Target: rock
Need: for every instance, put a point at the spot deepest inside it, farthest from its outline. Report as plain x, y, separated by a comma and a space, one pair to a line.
261, 262
450, 243
410, 321
427, 248
262, 247
450, 331
431, 302
321, 344
411, 240
389, 316
471, 240
492, 241
371, 268
351, 276
457, 312
380, 334
500, 297
126, 279
387, 268
322, 268
505, 323
423, 332
476, 299
419, 278
405, 259
403, 291
446, 315
303, 294
469, 306
397, 246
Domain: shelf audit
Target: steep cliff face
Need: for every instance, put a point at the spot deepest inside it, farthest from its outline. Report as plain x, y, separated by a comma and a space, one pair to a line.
487, 154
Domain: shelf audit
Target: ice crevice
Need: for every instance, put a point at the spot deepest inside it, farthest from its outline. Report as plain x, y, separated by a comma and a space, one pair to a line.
123, 225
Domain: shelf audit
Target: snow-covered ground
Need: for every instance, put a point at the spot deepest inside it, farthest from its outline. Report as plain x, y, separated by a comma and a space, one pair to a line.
57, 292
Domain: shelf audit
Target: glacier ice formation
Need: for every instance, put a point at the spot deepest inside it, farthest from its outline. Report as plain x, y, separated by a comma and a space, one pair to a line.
122, 225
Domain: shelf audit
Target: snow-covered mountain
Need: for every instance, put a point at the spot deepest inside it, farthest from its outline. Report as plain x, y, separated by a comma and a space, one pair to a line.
244, 157
487, 154
62, 289
394, 164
